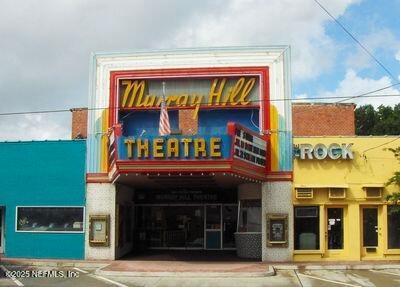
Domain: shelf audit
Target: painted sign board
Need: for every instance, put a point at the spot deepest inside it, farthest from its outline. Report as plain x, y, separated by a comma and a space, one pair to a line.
250, 148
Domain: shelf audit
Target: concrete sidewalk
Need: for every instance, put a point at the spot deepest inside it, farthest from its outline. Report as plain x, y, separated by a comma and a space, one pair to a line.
336, 265
92, 264
153, 268
211, 269
141, 268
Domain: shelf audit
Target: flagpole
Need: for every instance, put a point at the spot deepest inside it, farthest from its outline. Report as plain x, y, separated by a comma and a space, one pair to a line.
163, 90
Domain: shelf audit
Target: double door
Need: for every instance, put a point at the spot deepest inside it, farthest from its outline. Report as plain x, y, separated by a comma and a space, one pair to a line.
220, 226
371, 231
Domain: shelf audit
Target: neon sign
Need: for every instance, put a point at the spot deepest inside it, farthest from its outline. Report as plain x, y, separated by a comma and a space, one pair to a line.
192, 93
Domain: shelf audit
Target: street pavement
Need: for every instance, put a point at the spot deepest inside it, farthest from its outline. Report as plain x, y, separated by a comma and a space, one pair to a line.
77, 277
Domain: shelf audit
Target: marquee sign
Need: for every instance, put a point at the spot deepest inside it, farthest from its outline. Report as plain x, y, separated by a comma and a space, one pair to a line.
250, 148
238, 150
189, 93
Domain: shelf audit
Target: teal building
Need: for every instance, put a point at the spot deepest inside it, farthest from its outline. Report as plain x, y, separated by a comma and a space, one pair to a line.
42, 199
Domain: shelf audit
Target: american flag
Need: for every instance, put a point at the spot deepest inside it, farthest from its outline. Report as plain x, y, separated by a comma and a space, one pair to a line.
164, 127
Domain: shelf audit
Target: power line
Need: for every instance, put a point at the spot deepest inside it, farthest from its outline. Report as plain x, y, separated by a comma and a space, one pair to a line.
358, 42
368, 93
206, 104
385, 143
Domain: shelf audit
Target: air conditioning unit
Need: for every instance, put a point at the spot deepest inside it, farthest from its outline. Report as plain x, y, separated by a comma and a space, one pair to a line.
373, 192
337, 193
304, 193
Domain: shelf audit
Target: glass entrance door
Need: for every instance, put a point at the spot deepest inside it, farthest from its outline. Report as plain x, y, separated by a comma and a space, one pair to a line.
170, 227
213, 227
370, 228
229, 217
371, 232
335, 228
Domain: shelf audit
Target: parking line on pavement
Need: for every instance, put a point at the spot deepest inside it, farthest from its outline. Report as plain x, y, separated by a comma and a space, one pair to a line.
326, 280
15, 280
107, 280
80, 270
385, 272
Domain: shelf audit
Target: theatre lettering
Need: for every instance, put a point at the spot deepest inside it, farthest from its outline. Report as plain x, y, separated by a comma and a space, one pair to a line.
159, 148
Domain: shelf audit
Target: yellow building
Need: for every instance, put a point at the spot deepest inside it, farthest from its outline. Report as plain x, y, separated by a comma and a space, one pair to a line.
339, 198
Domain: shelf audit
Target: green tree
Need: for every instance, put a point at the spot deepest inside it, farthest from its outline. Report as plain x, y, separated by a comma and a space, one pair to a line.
385, 120
365, 120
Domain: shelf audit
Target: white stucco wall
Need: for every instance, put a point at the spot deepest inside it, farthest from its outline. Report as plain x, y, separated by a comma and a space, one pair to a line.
100, 200
277, 198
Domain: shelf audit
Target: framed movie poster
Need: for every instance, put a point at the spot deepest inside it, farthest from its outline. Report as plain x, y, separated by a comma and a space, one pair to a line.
277, 230
99, 230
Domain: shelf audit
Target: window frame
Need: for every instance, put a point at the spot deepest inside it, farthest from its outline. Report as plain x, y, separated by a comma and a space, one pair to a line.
50, 206
318, 237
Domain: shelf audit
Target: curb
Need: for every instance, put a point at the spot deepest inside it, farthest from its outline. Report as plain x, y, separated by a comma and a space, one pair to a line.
337, 267
91, 265
269, 272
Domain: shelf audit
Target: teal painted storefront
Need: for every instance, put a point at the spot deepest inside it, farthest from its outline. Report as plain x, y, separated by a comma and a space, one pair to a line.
42, 173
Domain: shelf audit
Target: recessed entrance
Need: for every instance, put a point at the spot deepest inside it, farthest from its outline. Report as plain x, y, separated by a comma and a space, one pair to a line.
185, 226
182, 213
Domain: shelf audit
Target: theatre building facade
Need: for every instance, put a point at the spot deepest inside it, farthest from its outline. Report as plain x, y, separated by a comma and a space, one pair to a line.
211, 182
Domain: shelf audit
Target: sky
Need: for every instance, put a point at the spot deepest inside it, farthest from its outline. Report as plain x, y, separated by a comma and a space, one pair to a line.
45, 47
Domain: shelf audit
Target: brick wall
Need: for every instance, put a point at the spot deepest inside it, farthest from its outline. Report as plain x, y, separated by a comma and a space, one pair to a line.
323, 119
187, 124
308, 120
79, 123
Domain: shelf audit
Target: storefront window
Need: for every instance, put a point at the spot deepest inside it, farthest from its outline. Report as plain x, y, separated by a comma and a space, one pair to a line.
306, 228
50, 219
250, 216
393, 228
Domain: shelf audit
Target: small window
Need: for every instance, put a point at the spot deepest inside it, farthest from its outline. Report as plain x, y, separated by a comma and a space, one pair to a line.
335, 193
306, 228
306, 211
373, 192
50, 219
